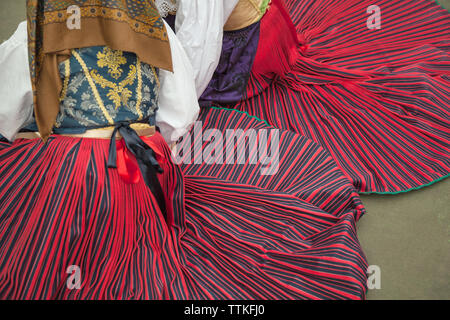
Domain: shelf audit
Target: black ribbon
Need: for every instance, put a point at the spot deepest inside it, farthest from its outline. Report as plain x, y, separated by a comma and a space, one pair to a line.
145, 157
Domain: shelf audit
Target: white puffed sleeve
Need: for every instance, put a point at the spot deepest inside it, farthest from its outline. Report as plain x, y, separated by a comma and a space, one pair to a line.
16, 97
199, 27
178, 104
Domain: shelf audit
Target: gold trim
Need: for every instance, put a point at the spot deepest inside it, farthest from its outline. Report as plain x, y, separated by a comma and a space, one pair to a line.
94, 88
139, 90
142, 129
66, 80
86, 12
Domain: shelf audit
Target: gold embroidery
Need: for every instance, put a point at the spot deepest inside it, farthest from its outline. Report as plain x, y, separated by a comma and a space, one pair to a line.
94, 88
118, 93
112, 59
66, 79
139, 90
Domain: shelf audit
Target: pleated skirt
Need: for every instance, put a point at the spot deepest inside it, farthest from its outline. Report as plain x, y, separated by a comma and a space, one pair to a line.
71, 228
370, 85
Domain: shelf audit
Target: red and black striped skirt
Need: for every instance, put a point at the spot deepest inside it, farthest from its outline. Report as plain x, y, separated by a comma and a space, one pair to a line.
370, 84
231, 233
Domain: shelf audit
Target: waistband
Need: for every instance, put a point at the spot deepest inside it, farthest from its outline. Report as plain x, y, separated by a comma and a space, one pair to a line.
142, 129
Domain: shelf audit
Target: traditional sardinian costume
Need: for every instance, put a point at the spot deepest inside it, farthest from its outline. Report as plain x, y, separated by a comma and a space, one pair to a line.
103, 194
369, 83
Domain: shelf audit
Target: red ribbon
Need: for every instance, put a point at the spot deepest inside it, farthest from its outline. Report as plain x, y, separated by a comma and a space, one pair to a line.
127, 165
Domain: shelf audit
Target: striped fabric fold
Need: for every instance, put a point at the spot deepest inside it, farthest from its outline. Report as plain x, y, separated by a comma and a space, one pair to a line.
232, 233
377, 100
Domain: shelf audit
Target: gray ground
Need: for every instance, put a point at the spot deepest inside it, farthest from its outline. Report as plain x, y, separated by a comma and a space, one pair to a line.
406, 235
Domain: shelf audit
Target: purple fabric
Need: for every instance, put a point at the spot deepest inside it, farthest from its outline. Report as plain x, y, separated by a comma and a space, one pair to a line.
170, 19
231, 76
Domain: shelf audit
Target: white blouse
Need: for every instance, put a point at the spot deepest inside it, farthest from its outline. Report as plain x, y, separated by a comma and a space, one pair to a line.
178, 104
16, 96
199, 27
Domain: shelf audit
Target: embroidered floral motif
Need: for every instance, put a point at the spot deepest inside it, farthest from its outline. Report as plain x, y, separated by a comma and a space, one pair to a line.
112, 59
94, 98
118, 93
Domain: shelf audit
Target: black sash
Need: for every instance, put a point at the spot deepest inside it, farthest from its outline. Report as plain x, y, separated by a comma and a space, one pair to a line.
145, 157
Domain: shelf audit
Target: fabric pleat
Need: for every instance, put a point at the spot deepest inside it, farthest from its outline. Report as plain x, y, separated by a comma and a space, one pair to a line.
304, 170
231, 233
377, 100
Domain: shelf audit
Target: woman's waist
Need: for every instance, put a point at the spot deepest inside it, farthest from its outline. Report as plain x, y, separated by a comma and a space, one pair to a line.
106, 132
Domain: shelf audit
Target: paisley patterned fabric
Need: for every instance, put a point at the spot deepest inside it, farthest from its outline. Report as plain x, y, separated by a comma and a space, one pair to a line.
102, 87
127, 25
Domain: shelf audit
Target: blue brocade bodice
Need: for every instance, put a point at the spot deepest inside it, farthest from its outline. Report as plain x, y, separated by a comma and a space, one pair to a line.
102, 87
